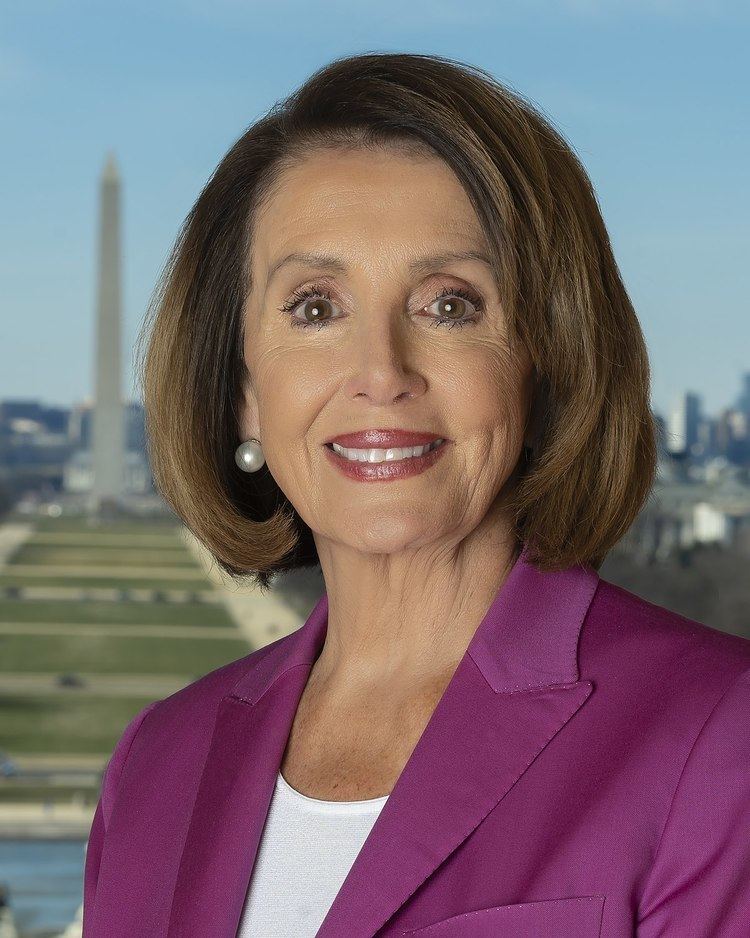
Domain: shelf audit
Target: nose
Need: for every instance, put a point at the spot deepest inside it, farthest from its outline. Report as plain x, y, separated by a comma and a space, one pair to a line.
383, 364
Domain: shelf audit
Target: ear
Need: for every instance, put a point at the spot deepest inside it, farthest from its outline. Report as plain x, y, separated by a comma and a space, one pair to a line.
248, 423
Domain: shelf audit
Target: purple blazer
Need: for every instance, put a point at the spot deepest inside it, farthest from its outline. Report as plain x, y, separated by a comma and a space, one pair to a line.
585, 773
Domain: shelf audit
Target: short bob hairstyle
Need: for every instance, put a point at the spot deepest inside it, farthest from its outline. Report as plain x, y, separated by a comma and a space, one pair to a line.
593, 464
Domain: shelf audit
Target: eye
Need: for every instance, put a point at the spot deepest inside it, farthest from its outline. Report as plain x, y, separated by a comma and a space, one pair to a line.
451, 313
452, 310
317, 309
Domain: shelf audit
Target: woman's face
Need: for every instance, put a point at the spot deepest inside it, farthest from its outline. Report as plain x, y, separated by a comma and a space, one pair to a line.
380, 359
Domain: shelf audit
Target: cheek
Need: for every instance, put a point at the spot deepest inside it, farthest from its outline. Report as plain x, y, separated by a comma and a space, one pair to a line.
489, 392
292, 390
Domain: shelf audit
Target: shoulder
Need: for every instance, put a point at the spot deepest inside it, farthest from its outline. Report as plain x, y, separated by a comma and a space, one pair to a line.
659, 670
621, 621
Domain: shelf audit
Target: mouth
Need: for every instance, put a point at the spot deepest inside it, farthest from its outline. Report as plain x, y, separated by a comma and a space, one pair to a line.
375, 455
385, 465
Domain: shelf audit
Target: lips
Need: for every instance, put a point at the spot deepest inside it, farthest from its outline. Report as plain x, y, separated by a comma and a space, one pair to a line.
384, 439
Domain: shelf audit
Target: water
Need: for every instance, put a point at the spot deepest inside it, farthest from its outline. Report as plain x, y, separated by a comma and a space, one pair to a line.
45, 882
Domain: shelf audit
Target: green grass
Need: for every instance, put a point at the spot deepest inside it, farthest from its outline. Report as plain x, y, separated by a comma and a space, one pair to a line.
198, 582
109, 654
80, 525
71, 722
57, 794
113, 613
52, 723
102, 555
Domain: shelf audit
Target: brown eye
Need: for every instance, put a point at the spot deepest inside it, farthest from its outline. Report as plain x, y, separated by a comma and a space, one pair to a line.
316, 310
314, 303
456, 306
451, 307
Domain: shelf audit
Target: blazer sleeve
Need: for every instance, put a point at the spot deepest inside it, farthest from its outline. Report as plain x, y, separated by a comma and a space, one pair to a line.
103, 812
699, 884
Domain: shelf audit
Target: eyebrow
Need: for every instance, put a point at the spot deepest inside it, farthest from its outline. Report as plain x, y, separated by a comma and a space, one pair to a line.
420, 265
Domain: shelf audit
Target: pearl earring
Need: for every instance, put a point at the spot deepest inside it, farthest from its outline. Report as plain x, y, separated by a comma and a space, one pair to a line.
249, 455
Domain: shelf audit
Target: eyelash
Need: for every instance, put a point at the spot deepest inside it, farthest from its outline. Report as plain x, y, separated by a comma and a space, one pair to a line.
318, 292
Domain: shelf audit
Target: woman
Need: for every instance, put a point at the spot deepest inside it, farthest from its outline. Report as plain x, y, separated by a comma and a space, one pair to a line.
473, 733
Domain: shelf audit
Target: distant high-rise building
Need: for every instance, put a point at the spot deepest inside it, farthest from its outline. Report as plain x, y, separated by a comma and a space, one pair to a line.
684, 419
79, 424
743, 399
108, 431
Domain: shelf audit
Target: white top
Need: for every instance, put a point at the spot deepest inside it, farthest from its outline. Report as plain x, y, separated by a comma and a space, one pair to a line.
306, 850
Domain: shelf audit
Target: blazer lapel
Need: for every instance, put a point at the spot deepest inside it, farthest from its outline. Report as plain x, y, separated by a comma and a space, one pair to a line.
515, 688
251, 730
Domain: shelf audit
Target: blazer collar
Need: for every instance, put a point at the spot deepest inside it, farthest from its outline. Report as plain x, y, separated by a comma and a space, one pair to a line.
515, 688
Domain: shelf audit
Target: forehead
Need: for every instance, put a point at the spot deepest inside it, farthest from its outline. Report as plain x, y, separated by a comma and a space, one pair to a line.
381, 195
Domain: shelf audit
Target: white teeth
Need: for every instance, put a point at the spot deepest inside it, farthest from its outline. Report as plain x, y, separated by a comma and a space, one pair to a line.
384, 455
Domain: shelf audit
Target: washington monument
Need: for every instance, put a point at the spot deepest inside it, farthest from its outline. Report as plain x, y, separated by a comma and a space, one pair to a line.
108, 431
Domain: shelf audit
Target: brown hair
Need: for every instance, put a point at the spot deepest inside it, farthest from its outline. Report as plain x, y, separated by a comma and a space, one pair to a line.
594, 460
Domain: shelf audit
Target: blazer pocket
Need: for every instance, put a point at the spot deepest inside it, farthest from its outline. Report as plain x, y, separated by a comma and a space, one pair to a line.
551, 918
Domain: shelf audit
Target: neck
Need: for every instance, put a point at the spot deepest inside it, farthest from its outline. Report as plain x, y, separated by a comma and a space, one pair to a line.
403, 621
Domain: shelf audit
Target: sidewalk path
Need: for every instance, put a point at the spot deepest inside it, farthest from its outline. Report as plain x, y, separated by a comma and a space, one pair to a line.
21, 820
11, 537
262, 618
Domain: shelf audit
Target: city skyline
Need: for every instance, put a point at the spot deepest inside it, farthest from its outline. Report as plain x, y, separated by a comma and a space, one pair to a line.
735, 402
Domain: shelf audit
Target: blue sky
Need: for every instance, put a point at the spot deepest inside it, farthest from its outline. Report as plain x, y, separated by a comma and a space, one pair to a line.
652, 95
